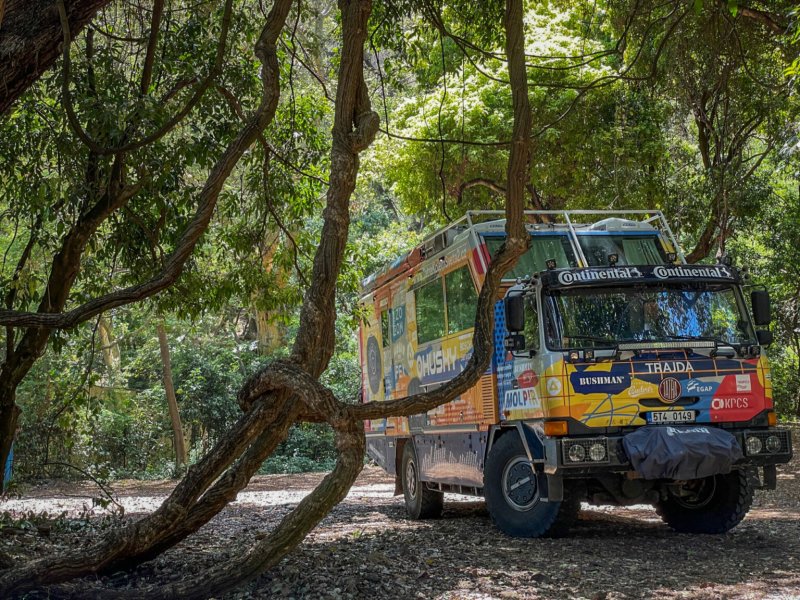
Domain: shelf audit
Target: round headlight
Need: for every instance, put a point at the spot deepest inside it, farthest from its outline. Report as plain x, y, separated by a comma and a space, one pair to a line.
597, 452
753, 445
773, 443
577, 453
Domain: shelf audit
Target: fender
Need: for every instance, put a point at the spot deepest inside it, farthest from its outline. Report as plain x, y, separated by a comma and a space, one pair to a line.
532, 438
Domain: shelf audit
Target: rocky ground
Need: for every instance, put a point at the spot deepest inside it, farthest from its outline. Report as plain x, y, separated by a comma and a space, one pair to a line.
367, 548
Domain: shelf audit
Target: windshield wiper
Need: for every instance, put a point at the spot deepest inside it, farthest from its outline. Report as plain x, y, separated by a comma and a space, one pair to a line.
701, 338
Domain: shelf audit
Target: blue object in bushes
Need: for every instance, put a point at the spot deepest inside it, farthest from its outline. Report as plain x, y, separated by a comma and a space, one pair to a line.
9, 462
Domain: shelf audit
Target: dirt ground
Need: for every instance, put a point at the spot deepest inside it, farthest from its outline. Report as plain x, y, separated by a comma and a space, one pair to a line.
366, 548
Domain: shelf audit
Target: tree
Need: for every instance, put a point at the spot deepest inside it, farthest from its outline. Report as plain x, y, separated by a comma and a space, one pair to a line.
31, 38
181, 456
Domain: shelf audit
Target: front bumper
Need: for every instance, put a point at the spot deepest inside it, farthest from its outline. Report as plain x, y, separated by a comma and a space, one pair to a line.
557, 459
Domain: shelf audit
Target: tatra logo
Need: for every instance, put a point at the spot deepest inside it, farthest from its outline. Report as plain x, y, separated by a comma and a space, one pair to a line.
570, 277
669, 389
718, 272
606, 380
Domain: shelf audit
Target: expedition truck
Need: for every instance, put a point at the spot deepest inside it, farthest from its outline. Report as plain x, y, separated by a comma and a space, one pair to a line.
620, 375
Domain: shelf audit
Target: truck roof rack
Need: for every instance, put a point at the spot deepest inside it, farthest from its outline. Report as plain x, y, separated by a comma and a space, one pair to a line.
563, 220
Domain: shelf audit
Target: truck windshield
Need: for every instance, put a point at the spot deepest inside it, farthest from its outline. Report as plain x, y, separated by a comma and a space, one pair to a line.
543, 248
629, 249
595, 317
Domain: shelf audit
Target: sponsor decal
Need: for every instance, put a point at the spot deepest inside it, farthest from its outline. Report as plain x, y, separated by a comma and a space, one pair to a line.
717, 272
521, 398
639, 388
695, 386
553, 386
743, 383
436, 362
669, 389
398, 321
570, 277
527, 379
729, 403
374, 364
676, 366
591, 382
524, 374
682, 430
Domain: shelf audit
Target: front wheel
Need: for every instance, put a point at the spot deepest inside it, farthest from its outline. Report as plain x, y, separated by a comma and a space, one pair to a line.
514, 492
714, 504
421, 503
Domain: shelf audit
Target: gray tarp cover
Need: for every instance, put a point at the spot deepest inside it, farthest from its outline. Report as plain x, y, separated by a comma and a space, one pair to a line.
659, 452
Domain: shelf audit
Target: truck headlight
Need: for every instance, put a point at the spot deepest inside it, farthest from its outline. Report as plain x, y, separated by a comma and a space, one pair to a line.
597, 452
753, 445
773, 443
577, 453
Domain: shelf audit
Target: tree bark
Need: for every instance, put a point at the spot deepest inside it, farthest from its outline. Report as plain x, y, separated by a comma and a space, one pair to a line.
172, 401
30, 41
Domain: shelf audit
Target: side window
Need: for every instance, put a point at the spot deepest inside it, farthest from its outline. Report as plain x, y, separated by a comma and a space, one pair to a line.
532, 324
385, 336
461, 300
429, 301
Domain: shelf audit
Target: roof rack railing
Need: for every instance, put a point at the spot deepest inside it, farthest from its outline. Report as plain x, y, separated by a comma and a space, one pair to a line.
653, 217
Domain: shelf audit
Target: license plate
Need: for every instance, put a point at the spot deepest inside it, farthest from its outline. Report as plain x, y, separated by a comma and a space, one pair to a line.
671, 416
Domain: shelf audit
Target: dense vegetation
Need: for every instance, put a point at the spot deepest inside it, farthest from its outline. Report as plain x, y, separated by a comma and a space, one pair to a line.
688, 107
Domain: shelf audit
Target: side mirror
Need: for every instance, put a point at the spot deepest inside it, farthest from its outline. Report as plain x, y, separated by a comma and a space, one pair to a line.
762, 313
515, 313
764, 337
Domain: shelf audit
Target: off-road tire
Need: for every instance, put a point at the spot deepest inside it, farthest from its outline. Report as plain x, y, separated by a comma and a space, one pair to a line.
521, 511
421, 502
723, 506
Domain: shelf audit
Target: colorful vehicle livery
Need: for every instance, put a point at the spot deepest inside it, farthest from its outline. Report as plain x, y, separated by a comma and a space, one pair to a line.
620, 375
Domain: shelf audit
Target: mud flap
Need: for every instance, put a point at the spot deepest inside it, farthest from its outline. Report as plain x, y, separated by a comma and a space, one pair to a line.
658, 452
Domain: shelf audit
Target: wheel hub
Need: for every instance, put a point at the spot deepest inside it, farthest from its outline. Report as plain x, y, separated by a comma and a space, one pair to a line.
520, 486
411, 479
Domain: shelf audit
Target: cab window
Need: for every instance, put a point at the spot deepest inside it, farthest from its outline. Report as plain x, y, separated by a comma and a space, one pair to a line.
462, 299
429, 301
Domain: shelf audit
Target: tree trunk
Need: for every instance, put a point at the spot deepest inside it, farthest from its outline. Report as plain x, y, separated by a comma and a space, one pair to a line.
30, 40
172, 401
267, 330
109, 346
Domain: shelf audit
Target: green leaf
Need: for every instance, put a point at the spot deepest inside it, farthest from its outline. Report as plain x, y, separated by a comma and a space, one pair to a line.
698, 6
733, 6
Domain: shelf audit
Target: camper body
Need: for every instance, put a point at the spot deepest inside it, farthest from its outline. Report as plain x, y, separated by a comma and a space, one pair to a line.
620, 375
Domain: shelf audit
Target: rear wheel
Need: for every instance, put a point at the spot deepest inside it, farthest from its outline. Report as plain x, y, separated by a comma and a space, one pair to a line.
713, 504
421, 503
515, 494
